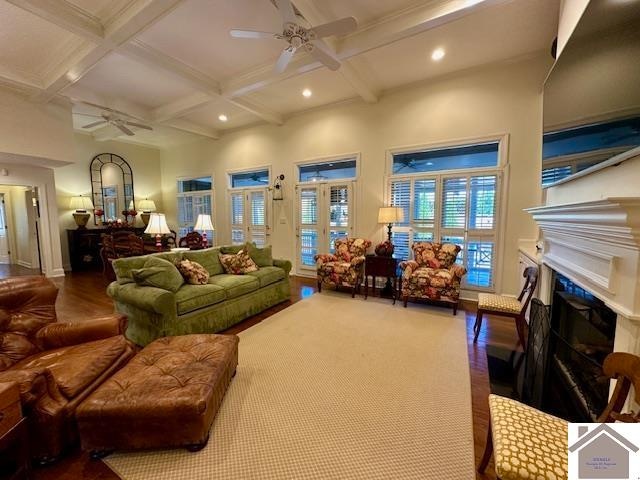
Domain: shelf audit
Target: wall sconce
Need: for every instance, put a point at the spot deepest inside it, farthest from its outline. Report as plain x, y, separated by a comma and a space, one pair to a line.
278, 191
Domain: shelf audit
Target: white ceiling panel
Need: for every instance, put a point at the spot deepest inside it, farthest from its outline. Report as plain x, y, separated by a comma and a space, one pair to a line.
207, 116
120, 77
286, 97
28, 44
197, 32
495, 34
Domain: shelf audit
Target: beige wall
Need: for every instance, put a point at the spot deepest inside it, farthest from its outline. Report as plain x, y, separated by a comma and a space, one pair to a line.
490, 101
74, 179
36, 133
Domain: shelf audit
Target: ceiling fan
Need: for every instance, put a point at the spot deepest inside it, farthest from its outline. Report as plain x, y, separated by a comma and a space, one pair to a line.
118, 122
299, 37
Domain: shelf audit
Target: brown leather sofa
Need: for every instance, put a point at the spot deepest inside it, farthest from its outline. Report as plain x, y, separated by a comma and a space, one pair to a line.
56, 365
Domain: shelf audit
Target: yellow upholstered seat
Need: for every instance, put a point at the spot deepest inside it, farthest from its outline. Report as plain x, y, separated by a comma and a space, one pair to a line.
498, 303
527, 443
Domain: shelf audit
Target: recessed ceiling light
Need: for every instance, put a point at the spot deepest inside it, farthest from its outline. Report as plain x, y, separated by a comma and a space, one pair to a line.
306, 93
438, 54
222, 117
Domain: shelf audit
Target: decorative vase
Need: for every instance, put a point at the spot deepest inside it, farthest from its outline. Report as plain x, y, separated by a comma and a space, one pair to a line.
384, 249
81, 218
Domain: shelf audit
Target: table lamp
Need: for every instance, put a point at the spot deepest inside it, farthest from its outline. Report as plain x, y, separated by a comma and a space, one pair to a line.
157, 226
203, 224
390, 215
147, 206
81, 204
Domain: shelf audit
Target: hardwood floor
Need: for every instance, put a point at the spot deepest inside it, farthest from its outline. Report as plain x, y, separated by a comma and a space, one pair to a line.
82, 295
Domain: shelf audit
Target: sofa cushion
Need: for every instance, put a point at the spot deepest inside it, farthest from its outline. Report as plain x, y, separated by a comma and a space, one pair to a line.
123, 267
268, 275
76, 366
208, 258
231, 249
192, 272
261, 256
159, 273
193, 297
238, 264
235, 285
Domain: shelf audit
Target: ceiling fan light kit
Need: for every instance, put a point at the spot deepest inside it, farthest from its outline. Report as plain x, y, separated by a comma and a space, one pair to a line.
299, 37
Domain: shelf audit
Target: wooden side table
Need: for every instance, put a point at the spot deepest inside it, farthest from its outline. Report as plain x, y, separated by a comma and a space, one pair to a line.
376, 266
14, 448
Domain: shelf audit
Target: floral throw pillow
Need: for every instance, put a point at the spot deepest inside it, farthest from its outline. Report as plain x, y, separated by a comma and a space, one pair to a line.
193, 273
237, 264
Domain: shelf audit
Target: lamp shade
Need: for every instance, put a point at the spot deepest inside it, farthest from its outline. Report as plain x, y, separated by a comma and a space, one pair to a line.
147, 205
390, 215
203, 223
81, 203
157, 225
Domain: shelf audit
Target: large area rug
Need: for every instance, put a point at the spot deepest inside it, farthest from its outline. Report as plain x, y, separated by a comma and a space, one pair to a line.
337, 388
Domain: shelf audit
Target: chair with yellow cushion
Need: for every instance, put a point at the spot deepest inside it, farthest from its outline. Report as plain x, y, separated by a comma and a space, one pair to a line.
508, 306
527, 443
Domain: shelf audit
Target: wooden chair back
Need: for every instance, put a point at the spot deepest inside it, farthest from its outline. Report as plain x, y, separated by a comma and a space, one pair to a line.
193, 241
530, 284
625, 369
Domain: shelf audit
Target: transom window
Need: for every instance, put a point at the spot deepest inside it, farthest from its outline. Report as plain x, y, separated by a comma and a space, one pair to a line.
457, 207
450, 158
195, 196
327, 171
254, 178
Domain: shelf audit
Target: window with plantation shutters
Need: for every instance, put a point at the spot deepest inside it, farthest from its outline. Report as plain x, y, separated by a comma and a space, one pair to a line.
459, 208
249, 216
195, 197
237, 218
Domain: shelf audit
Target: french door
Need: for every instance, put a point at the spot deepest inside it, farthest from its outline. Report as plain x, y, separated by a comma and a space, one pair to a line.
4, 240
325, 212
249, 216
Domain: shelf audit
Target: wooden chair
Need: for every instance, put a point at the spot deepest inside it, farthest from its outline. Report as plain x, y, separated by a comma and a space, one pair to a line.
508, 306
537, 447
192, 240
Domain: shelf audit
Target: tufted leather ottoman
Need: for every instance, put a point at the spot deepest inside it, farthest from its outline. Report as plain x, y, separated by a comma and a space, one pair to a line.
166, 396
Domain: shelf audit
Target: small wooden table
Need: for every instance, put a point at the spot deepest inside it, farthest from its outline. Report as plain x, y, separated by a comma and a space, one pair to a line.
14, 451
376, 266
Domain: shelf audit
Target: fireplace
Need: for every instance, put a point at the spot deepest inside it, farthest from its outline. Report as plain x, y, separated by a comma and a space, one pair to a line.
583, 335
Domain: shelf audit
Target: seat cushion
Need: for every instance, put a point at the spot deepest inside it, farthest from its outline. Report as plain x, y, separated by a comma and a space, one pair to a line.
431, 277
498, 303
268, 275
235, 285
527, 443
76, 366
193, 297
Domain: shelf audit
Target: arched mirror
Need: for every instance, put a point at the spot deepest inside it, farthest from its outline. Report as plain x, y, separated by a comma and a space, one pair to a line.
111, 186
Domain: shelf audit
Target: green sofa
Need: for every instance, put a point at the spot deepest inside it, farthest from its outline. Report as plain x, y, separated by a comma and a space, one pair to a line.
226, 300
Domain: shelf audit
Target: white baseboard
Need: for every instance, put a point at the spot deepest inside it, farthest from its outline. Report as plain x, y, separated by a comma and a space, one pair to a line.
56, 272
24, 264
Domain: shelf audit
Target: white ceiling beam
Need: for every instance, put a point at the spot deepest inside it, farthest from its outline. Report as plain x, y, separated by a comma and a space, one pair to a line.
388, 30
139, 15
64, 15
315, 17
190, 127
181, 107
258, 110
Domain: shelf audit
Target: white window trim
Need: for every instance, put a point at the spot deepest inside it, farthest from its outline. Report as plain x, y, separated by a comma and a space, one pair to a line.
502, 170
213, 206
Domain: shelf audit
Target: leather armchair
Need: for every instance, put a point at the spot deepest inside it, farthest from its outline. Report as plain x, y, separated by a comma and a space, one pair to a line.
56, 365
344, 268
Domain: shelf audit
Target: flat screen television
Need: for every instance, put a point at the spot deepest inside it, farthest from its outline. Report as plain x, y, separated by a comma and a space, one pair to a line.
591, 110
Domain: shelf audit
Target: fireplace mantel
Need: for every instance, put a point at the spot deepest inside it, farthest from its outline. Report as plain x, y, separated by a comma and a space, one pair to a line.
597, 245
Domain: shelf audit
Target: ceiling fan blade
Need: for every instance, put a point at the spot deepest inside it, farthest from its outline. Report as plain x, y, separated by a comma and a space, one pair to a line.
95, 124
285, 58
251, 34
124, 129
338, 28
323, 53
139, 125
286, 11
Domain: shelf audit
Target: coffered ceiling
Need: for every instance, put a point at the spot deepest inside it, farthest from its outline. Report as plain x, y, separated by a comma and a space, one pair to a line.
172, 63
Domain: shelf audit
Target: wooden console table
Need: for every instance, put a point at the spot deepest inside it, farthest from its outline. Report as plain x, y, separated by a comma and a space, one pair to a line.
376, 266
14, 447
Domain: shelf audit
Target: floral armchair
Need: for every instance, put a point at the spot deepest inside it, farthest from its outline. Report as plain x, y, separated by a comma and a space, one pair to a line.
344, 268
433, 273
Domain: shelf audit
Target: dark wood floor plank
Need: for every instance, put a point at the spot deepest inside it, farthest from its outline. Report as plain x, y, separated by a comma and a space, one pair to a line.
83, 295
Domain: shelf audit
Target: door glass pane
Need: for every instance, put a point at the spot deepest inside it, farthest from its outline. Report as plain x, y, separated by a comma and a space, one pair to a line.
339, 206
401, 197
309, 206
257, 209
400, 241
480, 264
423, 237
456, 241
237, 208
424, 203
308, 246
482, 204
237, 236
333, 235
454, 202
